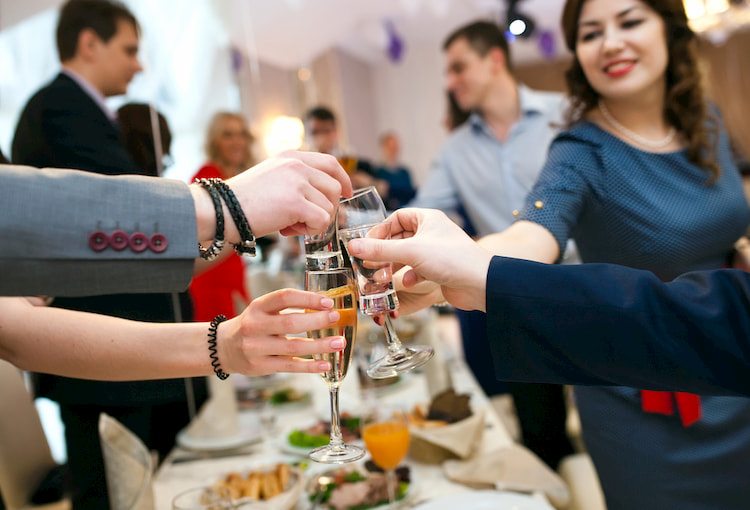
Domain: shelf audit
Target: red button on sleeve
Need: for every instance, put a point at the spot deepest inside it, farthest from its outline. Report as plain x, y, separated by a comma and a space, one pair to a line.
98, 241
118, 240
158, 243
139, 242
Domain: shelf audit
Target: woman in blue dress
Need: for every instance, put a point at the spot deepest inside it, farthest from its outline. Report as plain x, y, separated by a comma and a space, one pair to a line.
643, 177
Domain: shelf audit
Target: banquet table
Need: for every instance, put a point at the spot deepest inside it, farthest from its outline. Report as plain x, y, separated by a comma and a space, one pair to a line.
184, 469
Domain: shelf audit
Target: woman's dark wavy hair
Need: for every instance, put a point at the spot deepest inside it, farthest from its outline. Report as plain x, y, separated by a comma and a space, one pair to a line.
685, 104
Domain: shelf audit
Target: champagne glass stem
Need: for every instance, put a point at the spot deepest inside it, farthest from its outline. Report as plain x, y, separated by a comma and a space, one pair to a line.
337, 440
394, 343
390, 482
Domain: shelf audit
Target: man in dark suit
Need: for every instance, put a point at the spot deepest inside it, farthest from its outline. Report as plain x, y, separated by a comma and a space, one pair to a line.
590, 324
67, 124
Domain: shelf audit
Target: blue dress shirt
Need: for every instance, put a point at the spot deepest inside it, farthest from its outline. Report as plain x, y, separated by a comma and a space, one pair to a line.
488, 177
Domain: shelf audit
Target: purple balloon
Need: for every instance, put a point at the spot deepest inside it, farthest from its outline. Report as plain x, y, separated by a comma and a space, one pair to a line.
547, 45
236, 59
395, 50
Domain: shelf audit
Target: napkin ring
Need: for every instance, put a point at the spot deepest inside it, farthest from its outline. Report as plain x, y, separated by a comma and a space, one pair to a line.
212, 346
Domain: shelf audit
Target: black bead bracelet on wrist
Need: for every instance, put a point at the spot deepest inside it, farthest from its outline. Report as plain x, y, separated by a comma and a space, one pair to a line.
246, 246
212, 346
217, 245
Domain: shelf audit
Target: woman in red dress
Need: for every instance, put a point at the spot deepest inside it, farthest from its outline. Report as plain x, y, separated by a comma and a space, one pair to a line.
221, 287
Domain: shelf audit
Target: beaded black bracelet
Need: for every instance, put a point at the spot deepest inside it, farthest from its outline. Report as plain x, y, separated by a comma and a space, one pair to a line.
212, 346
217, 245
246, 246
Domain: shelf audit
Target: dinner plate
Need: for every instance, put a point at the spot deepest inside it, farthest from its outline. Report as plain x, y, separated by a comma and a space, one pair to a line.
485, 500
247, 435
317, 470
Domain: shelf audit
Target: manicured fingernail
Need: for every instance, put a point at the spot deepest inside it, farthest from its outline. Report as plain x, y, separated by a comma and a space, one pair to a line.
338, 343
326, 302
354, 246
333, 316
324, 366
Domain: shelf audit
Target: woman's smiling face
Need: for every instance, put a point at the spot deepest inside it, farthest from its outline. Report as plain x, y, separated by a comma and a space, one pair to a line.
622, 48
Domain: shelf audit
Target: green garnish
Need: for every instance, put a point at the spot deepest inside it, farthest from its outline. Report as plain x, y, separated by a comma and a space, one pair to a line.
304, 440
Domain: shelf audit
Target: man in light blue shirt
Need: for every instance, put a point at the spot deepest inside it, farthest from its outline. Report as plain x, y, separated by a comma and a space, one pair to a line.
488, 165
491, 176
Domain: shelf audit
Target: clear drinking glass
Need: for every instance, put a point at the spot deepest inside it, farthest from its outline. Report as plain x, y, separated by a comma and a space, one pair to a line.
337, 284
323, 251
204, 498
386, 436
363, 215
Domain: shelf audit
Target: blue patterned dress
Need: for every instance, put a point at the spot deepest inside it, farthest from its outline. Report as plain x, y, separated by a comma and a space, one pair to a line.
655, 212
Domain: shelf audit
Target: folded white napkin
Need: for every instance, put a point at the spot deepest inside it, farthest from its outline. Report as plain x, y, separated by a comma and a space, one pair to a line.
218, 416
460, 439
513, 468
128, 466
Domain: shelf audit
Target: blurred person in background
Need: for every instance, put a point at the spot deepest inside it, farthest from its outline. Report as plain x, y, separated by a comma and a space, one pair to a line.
220, 286
322, 129
483, 172
136, 131
392, 171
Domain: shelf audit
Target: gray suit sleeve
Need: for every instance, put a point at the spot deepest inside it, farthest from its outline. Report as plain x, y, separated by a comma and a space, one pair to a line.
51, 221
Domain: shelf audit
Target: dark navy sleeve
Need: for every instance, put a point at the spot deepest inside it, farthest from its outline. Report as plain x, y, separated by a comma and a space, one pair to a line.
602, 324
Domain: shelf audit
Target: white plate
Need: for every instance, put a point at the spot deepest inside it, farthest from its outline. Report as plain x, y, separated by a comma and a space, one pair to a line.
316, 470
485, 500
247, 435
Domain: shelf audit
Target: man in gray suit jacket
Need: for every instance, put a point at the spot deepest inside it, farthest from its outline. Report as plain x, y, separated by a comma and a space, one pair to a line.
49, 216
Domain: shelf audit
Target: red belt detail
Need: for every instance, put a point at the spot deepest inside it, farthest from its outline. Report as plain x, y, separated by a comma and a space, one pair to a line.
663, 402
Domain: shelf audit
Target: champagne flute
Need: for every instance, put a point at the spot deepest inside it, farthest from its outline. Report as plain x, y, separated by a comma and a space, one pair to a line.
337, 284
363, 215
386, 436
323, 251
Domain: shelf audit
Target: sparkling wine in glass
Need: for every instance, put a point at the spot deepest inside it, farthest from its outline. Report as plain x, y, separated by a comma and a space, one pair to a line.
386, 436
337, 284
363, 215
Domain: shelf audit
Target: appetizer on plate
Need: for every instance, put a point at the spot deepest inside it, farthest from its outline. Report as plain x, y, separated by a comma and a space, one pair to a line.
360, 488
280, 485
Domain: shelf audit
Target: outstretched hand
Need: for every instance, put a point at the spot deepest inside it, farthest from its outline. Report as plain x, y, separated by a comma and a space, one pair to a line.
426, 245
254, 343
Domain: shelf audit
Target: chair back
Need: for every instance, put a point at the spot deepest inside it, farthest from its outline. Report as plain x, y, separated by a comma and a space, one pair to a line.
25, 457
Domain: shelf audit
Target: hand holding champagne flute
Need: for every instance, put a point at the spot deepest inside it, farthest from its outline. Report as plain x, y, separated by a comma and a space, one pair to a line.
337, 284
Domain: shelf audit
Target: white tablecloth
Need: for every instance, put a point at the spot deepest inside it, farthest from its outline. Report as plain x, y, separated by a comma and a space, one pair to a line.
183, 470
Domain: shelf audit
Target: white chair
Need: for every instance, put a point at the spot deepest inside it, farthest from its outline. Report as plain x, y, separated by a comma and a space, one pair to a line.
25, 456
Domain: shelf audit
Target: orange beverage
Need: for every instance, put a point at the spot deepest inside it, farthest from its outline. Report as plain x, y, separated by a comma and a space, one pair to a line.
345, 303
387, 443
349, 163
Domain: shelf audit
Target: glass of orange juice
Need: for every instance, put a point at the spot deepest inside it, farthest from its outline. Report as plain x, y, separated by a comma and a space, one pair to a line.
386, 436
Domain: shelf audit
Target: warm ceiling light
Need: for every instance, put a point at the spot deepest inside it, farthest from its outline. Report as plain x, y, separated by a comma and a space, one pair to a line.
694, 8
716, 6
303, 74
285, 133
